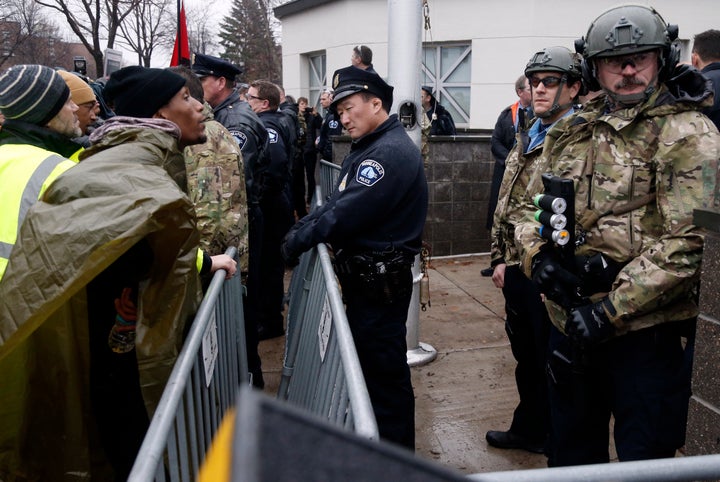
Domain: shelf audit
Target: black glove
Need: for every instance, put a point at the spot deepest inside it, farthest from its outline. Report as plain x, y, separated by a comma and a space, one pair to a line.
554, 281
597, 272
291, 259
590, 323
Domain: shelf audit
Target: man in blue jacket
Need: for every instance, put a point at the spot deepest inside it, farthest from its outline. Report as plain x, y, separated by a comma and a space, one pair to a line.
374, 221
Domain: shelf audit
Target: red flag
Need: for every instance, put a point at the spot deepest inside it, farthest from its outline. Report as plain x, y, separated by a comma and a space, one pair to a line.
181, 52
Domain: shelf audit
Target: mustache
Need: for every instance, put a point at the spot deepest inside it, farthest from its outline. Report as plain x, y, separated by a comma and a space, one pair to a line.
627, 82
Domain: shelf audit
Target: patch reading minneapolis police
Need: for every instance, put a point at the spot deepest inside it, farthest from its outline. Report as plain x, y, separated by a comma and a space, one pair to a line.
240, 137
369, 172
272, 136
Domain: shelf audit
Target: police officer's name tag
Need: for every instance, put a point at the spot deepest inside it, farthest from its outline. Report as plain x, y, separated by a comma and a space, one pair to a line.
369, 172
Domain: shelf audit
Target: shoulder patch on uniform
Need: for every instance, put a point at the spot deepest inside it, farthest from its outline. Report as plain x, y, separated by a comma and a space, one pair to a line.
240, 137
333, 124
369, 172
272, 136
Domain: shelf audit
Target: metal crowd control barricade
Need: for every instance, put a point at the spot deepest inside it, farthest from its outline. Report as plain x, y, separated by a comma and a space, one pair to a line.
321, 370
202, 386
329, 173
678, 469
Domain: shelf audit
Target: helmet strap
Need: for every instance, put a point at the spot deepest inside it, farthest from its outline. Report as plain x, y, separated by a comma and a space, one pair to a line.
555, 106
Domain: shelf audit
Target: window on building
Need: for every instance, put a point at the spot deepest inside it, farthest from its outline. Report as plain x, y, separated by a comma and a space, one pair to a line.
317, 74
446, 68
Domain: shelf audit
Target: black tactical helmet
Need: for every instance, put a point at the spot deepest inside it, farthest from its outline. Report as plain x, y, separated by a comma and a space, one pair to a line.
555, 59
626, 30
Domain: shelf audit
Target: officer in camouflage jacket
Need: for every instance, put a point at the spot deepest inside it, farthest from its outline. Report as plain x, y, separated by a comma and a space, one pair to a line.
642, 157
555, 78
216, 185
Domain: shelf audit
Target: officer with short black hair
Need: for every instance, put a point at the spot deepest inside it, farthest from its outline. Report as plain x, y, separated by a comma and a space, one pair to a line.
374, 222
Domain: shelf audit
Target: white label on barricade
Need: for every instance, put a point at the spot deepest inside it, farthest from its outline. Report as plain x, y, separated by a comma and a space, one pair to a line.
210, 349
324, 328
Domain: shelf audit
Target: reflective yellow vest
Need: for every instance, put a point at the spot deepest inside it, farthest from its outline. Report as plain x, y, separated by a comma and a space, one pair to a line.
25, 172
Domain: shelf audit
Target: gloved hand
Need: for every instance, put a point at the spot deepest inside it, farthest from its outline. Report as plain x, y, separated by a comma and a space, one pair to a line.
597, 272
553, 280
291, 259
590, 323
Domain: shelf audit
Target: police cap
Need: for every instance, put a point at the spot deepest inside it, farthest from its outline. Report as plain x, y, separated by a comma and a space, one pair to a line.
352, 80
204, 65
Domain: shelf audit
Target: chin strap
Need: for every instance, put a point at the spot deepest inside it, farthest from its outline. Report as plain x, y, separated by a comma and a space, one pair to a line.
555, 106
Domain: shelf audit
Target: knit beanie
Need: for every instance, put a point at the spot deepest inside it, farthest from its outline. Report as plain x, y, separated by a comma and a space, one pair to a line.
80, 91
137, 91
32, 93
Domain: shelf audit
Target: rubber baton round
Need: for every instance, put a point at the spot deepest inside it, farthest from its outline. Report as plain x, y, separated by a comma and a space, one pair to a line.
550, 203
559, 237
555, 221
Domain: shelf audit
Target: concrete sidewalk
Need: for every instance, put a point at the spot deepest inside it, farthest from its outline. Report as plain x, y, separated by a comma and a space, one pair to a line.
470, 387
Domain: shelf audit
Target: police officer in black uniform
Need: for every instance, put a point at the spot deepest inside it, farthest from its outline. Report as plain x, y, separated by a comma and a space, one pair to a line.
218, 80
374, 222
264, 99
331, 126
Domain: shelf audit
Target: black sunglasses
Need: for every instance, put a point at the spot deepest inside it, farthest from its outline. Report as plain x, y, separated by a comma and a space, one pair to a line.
547, 81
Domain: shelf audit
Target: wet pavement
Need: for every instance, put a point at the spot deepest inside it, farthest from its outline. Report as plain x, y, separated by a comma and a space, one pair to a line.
470, 387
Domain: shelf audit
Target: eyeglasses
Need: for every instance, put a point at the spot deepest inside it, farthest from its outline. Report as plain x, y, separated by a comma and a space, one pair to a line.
546, 81
250, 96
616, 65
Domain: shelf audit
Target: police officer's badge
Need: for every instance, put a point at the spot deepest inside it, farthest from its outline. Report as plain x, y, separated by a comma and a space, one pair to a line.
369, 172
240, 137
272, 136
343, 183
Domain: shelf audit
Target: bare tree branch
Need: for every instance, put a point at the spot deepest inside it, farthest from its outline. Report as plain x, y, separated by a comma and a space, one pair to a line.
151, 25
93, 20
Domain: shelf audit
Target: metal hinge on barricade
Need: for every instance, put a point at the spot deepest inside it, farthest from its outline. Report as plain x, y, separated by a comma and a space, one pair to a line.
425, 280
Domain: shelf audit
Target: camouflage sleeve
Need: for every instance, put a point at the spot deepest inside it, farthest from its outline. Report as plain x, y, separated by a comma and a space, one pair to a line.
216, 183
499, 232
527, 239
686, 176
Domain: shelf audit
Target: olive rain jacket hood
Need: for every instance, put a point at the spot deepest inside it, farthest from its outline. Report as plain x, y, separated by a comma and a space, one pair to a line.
118, 195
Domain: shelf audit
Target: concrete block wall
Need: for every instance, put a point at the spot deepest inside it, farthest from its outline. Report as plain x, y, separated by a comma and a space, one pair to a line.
459, 172
703, 428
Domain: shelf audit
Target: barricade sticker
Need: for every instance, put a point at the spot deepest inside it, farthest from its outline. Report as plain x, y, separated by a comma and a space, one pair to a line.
324, 328
210, 349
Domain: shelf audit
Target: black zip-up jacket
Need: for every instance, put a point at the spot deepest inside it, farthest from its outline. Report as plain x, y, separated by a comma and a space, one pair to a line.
379, 204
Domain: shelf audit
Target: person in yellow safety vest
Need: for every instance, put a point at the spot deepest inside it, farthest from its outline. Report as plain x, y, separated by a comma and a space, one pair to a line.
35, 143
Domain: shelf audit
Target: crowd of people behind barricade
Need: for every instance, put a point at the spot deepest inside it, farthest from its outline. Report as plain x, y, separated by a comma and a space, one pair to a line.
120, 196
